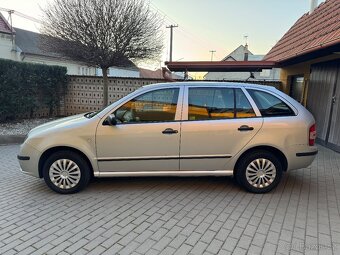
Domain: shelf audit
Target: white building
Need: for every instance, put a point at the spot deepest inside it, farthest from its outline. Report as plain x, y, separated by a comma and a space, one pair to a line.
23, 45
242, 53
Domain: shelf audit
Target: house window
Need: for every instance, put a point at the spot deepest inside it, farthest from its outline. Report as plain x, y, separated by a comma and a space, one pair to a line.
84, 70
297, 87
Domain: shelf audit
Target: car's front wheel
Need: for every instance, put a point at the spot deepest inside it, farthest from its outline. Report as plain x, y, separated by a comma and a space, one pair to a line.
66, 172
259, 172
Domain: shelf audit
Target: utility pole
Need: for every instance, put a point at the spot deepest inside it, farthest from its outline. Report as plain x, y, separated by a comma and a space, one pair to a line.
171, 37
10, 12
212, 54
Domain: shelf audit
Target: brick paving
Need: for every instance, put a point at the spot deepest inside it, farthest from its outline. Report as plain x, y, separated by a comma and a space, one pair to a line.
172, 215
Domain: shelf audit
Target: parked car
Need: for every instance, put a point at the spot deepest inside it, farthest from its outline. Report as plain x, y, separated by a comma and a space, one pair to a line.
254, 133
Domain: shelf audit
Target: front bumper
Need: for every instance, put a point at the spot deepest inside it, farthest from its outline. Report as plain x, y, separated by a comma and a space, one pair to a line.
29, 159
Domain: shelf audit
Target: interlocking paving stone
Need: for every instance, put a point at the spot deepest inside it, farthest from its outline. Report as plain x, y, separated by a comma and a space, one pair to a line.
205, 215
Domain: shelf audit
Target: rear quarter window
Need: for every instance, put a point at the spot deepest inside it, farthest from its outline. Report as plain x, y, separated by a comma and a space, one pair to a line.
270, 105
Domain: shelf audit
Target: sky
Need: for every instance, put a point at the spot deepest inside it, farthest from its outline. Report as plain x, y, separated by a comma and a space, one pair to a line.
203, 25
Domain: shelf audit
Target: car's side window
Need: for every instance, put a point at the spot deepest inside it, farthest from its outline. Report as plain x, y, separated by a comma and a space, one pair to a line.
242, 105
154, 106
218, 103
269, 105
210, 103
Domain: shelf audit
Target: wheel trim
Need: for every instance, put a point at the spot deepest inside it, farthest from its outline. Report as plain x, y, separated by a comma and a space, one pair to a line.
64, 173
260, 173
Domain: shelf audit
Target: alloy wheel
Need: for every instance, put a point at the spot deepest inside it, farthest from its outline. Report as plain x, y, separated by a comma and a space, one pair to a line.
260, 173
64, 173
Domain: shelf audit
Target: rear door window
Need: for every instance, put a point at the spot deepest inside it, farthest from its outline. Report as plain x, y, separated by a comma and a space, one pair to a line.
270, 105
218, 103
243, 108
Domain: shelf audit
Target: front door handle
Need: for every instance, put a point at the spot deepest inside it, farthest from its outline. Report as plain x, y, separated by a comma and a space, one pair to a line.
245, 128
170, 131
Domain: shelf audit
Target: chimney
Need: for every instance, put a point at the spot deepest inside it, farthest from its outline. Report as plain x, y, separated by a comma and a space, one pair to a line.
246, 52
313, 5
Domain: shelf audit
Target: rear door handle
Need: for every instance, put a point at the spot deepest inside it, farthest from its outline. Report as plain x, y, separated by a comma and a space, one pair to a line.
245, 128
170, 131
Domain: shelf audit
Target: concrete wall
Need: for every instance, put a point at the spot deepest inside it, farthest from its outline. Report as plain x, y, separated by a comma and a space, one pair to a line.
120, 72
85, 93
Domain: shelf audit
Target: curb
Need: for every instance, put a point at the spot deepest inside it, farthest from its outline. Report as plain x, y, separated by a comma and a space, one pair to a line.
11, 139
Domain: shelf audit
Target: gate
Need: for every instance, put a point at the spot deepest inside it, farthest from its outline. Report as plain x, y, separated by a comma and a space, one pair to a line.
323, 102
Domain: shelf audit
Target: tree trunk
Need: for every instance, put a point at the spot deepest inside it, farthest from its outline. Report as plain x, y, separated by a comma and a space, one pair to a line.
106, 87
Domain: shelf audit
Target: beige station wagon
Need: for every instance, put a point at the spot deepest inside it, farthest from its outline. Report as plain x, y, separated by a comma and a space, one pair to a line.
254, 133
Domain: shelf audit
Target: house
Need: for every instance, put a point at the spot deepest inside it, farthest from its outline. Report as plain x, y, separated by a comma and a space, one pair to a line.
242, 53
158, 74
309, 57
6, 37
22, 45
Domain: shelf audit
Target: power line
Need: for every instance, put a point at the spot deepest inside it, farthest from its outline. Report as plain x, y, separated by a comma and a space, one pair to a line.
183, 30
20, 14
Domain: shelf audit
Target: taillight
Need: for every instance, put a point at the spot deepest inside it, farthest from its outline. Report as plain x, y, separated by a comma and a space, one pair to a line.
312, 135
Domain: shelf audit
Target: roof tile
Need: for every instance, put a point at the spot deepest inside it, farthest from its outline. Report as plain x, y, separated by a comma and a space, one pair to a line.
320, 28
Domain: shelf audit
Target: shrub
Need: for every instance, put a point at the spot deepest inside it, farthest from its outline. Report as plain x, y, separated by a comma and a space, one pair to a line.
27, 87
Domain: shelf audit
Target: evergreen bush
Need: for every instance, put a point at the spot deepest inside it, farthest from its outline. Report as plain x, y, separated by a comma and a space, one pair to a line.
27, 87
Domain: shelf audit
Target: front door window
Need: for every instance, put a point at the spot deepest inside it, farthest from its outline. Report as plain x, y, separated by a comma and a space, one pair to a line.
155, 106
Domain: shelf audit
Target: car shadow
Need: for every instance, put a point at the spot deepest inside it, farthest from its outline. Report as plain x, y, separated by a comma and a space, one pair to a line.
162, 183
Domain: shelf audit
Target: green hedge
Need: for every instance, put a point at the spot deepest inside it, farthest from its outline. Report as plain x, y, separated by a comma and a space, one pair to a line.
26, 87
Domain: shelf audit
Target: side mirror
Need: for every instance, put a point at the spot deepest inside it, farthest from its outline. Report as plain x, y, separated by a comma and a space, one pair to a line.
111, 120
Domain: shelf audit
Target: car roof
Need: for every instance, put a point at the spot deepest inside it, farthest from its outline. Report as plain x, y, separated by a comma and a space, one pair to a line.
208, 83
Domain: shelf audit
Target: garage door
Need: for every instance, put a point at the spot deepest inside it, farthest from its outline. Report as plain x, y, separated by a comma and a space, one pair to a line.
323, 102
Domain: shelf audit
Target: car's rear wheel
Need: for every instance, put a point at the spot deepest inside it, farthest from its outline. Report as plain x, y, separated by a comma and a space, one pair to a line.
259, 171
66, 172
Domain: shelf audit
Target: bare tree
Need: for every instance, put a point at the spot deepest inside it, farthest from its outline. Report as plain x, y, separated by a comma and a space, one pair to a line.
103, 33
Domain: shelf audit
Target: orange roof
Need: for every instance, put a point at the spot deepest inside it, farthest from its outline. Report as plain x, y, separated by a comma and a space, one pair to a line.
311, 32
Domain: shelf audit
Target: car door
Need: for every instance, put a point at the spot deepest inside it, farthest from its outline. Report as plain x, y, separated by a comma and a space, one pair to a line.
217, 123
147, 135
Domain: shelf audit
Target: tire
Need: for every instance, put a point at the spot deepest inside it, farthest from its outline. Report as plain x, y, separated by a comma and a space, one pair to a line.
259, 171
66, 172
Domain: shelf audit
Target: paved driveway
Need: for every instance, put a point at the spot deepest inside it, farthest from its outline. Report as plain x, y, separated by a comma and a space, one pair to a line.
171, 215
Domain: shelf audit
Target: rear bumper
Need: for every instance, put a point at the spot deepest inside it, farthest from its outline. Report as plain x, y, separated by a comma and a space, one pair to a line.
301, 156
306, 154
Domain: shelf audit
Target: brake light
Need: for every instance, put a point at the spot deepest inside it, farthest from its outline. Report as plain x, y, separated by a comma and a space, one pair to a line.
312, 135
